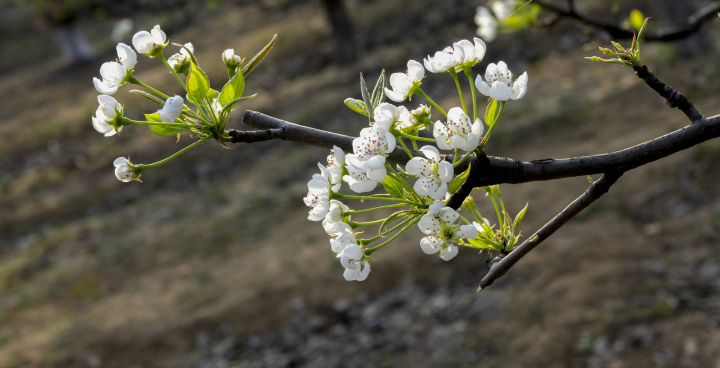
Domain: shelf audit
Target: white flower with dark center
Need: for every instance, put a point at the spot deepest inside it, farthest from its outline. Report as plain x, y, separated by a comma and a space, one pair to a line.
385, 116
371, 149
458, 132
357, 268
108, 116
362, 180
434, 173
318, 197
230, 59
172, 110
449, 58
442, 234
487, 26
146, 42
498, 83
115, 73
180, 62
473, 52
123, 171
404, 84
336, 160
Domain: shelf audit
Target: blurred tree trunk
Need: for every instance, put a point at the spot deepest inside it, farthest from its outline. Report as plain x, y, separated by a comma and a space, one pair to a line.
674, 12
72, 42
342, 33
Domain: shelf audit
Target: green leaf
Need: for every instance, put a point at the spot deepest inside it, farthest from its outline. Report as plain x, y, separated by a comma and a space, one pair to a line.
255, 61
148, 96
491, 112
356, 105
519, 217
394, 217
393, 186
233, 89
458, 181
480, 244
162, 130
365, 95
197, 83
636, 19
212, 94
231, 104
378, 95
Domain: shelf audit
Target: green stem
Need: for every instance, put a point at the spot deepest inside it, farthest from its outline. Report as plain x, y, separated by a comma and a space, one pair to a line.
453, 74
455, 157
422, 94
500, 221
412, 137
481, 147
369, 223
350, 213
405, 148
388, 231
474, 217
136, 81
334, 195
127, 121
414, 143
462, 159
468, 74
415, 220
464, 220
140, 168
162, 57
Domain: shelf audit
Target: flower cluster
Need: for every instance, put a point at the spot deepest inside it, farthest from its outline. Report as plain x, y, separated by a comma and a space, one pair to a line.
211, 108
422, 203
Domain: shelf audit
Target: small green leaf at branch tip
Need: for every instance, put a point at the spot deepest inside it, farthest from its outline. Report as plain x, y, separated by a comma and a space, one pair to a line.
148, 96
458, 181
357, 106
163, 130
233, 89
198, 83
255, 61
590, 180
378, 94
393, 186
365, 95
491, 112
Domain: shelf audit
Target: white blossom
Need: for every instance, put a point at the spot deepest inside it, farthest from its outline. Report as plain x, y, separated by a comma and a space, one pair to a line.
371, 149
229, 58
434, 173
115, 73
503, 8
318, 197
459, 131
473, 52
123, 171
181, 60
107, 115
356, 267
343, 241
336, 160
442, 234
404, 84
406, 119
362, 180
335, 212
145, 42
487, 26
498, 83
449, 58
385, 116
435, 208
172, 110
336, 229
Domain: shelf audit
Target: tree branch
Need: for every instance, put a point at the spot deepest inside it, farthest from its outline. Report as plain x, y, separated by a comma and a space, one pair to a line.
239, 136
690, 26
596, 190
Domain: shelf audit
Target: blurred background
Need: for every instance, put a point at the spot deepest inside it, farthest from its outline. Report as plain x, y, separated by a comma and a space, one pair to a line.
210, 262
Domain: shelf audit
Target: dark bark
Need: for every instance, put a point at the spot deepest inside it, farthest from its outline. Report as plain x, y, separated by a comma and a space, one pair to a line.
344, 51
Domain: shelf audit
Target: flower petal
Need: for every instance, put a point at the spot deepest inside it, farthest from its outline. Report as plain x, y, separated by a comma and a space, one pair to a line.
445, 170
449, 252
430, 152
430, 244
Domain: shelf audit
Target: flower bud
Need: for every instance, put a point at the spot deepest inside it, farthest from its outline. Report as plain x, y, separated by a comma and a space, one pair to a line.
172, 109
150, 43
180, 62
123, 171
230, 59
108, 116
468, 203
